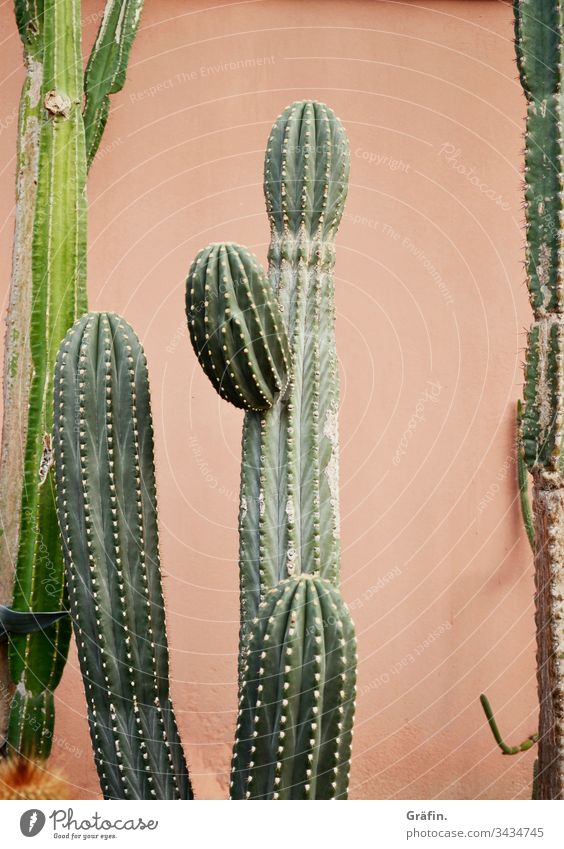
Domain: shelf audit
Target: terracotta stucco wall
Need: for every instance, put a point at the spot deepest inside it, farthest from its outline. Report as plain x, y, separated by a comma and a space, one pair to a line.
431, 312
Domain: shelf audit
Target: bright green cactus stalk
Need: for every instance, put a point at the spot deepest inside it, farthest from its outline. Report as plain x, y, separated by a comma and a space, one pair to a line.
106, 501
55, 146
539, 42
289, 504
58, 294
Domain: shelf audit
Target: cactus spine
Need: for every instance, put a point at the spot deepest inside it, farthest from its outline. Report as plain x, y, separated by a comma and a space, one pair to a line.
539, 35
289, 503
106, 501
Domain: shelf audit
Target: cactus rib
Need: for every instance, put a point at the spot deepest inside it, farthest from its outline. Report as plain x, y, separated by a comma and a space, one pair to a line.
236, 328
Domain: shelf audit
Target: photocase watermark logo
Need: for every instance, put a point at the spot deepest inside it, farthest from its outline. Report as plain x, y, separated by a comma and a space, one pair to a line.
32, 822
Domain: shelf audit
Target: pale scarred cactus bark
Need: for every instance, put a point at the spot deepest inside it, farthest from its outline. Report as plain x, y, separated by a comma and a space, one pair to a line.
106, 501
539, 44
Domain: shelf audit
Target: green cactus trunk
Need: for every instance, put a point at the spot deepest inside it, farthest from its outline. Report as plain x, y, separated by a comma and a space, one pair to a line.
58, 295
289, 503
106, 500
48, 268
539, 37
289, 512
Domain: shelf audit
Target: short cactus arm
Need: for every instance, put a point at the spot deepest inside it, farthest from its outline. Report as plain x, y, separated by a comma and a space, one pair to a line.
107, 66
236, 328
107, 511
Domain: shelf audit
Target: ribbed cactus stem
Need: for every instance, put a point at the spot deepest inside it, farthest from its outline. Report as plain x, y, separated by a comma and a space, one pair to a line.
539, 44
58, 269
106, 501
289, 515
297, 652
296, 706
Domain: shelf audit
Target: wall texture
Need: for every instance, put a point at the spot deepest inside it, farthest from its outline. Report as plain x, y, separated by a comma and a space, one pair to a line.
431, 310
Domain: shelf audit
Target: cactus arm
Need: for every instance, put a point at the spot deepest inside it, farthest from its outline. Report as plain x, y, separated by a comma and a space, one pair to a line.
107, 511
235, 327
523, 481
58, 291
107, 66
506, 750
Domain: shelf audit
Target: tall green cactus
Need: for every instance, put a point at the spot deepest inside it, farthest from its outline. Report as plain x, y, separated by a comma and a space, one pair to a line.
47, 293
539, 29
107, 66
289, 504
106, 501
58, 295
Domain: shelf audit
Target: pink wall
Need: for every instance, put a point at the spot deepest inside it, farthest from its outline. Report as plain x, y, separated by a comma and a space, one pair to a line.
432, 308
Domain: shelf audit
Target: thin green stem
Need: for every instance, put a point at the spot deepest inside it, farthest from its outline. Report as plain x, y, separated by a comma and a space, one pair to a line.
506, 750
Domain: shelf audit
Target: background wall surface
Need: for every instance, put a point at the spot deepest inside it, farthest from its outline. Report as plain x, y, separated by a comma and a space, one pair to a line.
432, 308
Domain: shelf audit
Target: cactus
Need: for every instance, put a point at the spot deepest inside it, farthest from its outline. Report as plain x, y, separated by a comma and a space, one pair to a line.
289, 502
58, 267
539, 34
49, 267
229, 300
106, 502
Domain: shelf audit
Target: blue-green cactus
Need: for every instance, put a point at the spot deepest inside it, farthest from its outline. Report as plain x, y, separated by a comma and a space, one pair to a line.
289, 503
106, 502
